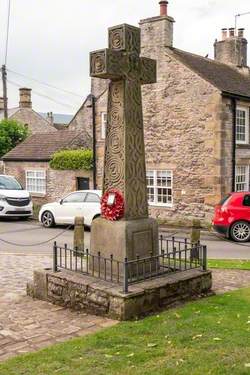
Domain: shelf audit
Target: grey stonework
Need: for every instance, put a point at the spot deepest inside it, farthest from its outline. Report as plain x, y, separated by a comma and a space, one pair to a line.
85, 293
188, 128
232, 50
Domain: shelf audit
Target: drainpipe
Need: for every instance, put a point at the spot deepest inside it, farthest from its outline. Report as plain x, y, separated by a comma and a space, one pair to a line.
234, 105
93, 100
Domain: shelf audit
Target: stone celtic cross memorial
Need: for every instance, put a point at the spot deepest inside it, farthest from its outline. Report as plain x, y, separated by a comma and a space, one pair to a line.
133, 233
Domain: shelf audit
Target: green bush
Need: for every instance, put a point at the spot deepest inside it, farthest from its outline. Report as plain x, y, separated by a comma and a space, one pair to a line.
11, 133
72, 159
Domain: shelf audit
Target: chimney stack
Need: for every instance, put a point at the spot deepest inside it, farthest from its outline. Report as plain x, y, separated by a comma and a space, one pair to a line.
163, 8
232, 32
241, 33
224, 34
25, 98
232, 48
1, 103
157, 32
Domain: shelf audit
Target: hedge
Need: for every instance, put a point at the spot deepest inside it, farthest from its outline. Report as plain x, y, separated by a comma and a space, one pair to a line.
72, 159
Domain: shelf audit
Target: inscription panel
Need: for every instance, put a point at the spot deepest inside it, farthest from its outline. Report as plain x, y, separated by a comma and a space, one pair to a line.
142, 243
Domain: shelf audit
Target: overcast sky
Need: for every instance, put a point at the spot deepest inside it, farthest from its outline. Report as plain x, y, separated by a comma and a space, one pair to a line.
50, 40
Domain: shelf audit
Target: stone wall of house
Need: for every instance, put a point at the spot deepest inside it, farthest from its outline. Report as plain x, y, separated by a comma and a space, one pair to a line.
35, 122
83, 120
183, 133
182, 119
58, 183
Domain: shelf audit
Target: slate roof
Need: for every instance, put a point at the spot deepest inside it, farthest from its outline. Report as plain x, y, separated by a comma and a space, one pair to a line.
222, 76
41, 147
59, 118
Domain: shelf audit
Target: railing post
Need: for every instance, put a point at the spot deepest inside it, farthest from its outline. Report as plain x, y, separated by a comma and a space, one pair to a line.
204, 258
55, 257
125, 282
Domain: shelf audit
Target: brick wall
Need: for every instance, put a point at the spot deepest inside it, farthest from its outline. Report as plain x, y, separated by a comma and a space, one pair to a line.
58, 183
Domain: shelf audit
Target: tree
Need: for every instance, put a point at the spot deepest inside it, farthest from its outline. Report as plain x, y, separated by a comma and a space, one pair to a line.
11, 133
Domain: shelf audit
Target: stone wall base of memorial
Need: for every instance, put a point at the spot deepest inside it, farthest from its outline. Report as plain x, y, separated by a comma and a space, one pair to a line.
88, 294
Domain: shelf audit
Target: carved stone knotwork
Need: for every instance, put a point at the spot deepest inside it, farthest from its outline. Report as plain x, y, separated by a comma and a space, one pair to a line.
134, 233
124, 162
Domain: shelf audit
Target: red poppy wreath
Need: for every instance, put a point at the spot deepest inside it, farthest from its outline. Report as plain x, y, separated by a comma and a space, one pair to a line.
112, 205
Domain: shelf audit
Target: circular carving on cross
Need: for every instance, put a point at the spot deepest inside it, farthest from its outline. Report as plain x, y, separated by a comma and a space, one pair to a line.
99, 64
116, 39
112, 205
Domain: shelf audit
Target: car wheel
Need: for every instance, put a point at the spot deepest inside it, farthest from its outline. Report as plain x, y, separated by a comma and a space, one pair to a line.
48, 220
240, 231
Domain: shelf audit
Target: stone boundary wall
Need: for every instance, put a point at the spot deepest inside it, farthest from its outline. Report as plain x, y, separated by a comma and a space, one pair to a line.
85, 293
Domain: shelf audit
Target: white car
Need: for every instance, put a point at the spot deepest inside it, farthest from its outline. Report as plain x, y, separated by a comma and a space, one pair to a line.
14, 200
84, 203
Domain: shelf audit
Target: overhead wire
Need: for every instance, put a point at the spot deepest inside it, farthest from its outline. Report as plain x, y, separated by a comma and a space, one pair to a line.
42, 95
44, 83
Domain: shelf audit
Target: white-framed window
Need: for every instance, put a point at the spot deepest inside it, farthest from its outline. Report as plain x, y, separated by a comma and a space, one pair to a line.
36, 181
103, 124
160, 188
242, 178
242, 125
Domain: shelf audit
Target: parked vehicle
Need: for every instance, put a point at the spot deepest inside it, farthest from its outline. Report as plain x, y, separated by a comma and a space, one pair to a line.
84, 203
14, 200
232, 216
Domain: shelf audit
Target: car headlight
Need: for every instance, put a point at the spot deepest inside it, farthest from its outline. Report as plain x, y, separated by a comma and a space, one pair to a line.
2, 198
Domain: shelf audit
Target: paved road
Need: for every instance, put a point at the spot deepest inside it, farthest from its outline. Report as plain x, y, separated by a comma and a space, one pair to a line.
28, 233
31, 232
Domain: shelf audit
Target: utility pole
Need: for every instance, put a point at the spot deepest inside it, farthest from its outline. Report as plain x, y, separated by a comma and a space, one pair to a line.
5, 100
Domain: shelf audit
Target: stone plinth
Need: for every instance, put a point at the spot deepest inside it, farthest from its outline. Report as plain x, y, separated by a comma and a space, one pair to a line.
88, 294
124, 238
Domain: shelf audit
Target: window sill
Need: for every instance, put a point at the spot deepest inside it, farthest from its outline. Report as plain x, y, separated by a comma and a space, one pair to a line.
38, 195
243, 145
159, 205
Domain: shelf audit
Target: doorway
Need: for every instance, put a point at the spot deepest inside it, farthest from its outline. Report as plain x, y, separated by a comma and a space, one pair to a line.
82, 183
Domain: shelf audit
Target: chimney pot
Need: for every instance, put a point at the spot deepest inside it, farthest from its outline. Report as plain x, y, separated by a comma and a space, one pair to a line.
232, 32
224, 33
25, 98
241, 33
163, 8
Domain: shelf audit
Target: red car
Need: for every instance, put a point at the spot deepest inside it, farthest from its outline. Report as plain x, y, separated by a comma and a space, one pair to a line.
232, 216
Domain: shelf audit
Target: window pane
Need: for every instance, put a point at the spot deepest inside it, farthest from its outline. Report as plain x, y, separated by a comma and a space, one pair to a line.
241, 178
75, 198
159, 187
241, 123
92, 198
36, 181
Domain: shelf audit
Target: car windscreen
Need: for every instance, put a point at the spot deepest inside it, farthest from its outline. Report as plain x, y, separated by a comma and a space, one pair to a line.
9, 183
223, 201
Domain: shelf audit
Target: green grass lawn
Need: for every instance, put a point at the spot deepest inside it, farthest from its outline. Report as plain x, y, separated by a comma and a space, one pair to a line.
209, 336
229, 264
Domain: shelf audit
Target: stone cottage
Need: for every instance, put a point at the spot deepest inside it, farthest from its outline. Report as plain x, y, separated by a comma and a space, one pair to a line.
196, 120
26, 114
29, 163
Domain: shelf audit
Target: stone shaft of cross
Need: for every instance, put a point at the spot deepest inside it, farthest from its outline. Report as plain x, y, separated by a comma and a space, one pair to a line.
124, 163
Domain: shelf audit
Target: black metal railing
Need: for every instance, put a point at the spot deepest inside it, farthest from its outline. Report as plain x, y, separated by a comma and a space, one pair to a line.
174, 256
